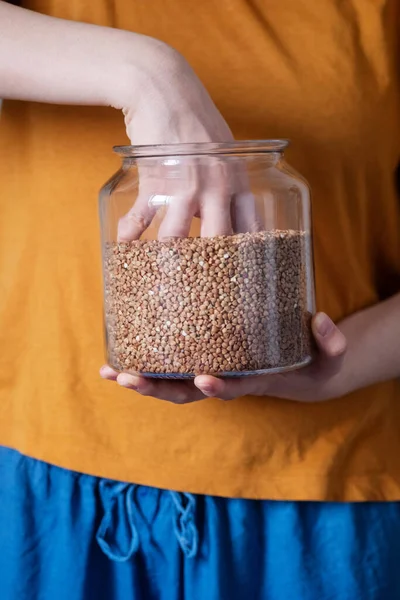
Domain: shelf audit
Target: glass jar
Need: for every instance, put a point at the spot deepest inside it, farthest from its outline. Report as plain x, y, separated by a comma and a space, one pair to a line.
207, 261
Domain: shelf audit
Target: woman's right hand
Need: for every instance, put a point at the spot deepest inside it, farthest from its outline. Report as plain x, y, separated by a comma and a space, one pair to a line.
174, 108
166, 103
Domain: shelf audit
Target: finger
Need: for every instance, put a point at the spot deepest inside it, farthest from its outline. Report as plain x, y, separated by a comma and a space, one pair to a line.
182, 201
331, 342
229, 389
245, 217
136, 221
216, 198
216, 215
152, 185
106, 372
177, 392
178, 218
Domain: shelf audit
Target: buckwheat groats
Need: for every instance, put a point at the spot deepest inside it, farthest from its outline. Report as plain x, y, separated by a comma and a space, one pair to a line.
229, 305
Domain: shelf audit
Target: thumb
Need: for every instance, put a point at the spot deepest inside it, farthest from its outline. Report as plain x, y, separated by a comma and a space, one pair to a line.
331, 342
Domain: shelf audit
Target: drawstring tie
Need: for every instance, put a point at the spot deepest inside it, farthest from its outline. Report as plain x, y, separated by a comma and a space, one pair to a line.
117, 499
119, 504
184, 524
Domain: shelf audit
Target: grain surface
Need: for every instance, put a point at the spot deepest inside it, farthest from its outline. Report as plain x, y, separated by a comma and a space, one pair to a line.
224, 305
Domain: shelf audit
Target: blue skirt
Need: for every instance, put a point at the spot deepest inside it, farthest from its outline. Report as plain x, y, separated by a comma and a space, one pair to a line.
67, 536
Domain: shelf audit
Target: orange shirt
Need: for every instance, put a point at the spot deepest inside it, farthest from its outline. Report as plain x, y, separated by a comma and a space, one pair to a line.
323, 74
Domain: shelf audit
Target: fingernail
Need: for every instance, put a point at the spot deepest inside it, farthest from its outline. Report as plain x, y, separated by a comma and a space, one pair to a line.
206, 388
324, 325
128, 381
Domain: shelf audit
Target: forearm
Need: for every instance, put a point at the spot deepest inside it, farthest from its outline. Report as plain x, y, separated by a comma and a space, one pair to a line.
46, 59
373, 344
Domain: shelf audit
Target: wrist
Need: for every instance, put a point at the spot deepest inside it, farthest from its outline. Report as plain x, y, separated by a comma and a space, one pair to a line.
145, 71
357, 370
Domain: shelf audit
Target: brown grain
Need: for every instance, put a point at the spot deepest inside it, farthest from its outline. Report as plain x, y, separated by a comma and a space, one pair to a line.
226, 305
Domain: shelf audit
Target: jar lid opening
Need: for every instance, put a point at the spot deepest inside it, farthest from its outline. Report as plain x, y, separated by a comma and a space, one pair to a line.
224, 148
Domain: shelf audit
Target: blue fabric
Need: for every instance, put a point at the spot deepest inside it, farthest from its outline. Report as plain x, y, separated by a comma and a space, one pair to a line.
67, 536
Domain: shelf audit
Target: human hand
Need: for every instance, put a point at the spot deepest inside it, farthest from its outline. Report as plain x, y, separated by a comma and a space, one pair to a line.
175, 108
321, 380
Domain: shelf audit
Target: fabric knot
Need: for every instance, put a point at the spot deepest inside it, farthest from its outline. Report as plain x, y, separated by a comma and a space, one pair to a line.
117, 534
184, 523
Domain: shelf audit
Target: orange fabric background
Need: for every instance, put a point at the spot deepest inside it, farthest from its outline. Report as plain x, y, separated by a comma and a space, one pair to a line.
323, 74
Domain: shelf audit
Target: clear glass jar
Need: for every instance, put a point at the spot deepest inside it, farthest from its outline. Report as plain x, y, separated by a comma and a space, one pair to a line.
207, 261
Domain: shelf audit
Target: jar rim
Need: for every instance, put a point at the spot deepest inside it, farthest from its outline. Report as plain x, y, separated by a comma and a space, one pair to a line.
202, 148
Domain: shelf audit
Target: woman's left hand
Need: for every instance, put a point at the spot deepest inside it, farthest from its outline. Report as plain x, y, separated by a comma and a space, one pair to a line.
321, 380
